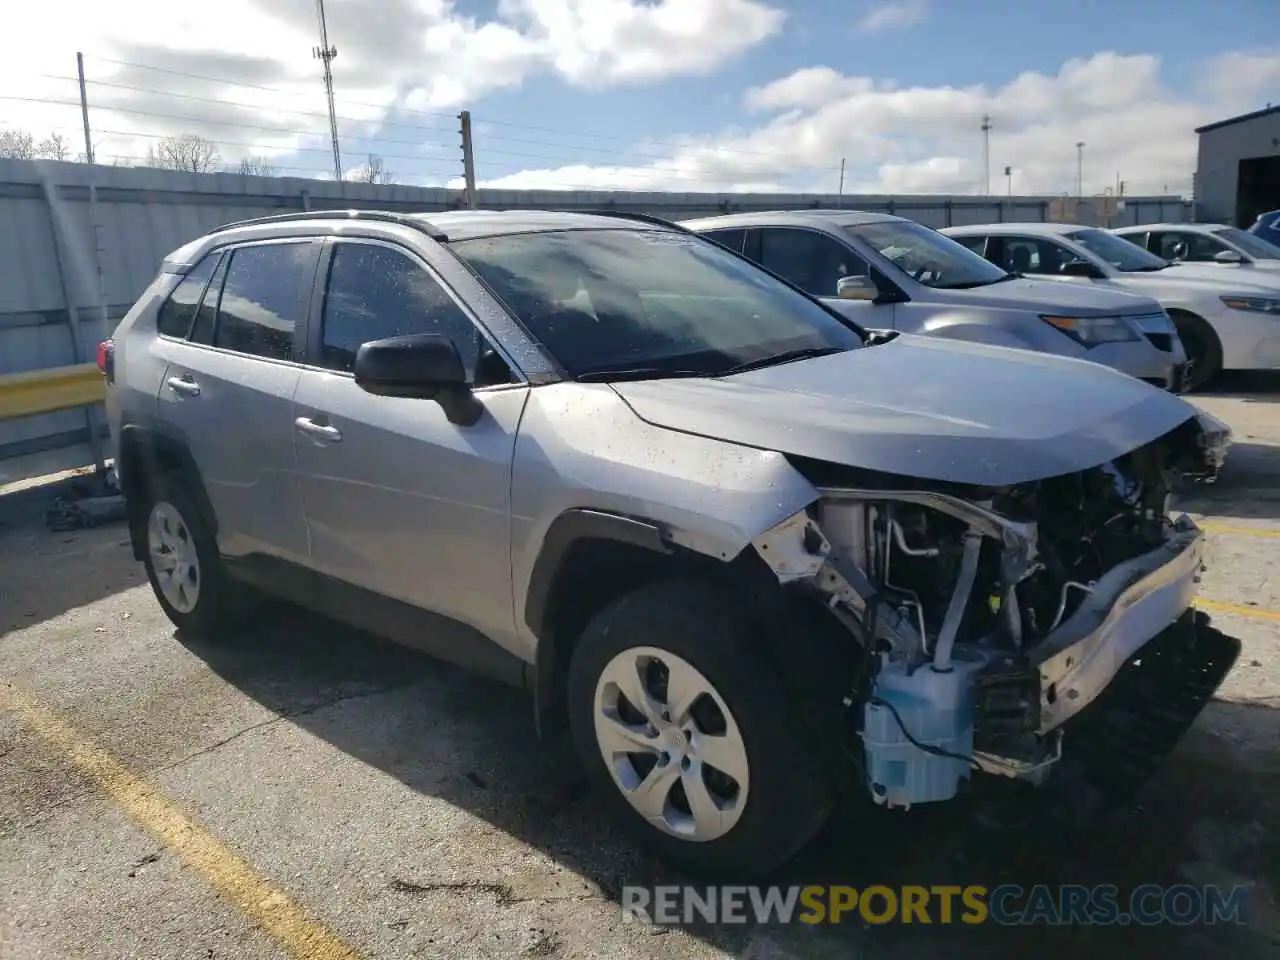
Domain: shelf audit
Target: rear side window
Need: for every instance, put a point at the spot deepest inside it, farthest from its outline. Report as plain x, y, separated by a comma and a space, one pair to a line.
262, 299
177, 312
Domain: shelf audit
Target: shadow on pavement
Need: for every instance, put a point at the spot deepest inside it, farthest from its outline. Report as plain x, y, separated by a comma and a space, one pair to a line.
45, 573
471, 743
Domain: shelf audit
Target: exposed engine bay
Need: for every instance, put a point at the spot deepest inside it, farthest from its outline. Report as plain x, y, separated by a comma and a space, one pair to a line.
990, 618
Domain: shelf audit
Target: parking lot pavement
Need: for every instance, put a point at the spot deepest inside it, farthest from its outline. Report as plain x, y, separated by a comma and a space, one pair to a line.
303, 790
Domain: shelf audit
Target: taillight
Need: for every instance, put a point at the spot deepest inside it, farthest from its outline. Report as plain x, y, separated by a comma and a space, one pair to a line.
106, 358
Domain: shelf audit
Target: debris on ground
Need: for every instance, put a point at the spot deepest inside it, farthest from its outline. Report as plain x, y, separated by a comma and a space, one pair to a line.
91, 501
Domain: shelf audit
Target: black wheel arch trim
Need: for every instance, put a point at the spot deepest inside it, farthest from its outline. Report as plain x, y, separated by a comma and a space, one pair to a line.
569, 528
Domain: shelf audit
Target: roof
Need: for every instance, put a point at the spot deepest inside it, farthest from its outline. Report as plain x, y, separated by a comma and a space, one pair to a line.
828, 218
469, 224
1243, 118
1030, 226
1185, 227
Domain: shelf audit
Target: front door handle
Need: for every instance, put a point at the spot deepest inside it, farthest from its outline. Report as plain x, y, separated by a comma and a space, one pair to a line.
184, 385
321, 431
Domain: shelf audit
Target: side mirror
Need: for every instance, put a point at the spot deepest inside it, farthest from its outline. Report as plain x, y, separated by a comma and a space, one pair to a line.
422, 366
1079, 268
856, 288
1228, 256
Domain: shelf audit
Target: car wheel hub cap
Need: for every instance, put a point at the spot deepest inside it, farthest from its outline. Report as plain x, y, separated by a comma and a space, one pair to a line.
671, 744
174, 557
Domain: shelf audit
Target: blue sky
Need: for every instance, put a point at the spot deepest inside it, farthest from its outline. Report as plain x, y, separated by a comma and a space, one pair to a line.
667, 94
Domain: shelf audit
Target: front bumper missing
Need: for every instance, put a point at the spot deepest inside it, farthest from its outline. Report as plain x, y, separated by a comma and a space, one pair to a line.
1128, 607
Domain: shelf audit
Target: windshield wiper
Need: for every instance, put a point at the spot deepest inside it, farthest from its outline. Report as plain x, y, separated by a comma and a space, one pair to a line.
805, 353
636, 373
972, 284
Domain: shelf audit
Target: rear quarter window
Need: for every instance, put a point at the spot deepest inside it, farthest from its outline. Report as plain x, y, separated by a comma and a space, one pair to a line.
176, 314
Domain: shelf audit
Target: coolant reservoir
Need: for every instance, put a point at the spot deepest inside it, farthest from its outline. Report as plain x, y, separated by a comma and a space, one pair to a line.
937, 709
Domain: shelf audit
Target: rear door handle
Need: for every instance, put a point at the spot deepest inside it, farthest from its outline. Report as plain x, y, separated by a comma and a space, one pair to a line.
184, 385
321, 431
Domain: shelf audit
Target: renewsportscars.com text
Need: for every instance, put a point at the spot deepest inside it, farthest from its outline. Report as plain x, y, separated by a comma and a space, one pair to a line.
1007, 904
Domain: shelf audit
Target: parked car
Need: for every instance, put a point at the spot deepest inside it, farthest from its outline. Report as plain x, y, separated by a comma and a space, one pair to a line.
1204, 243
623, 468
895, 274
1267, 226
1226, 321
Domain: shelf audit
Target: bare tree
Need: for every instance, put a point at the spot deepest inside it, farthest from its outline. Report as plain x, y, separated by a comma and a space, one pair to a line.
257, 167
54, 147
17, 145
189, 152
372, 172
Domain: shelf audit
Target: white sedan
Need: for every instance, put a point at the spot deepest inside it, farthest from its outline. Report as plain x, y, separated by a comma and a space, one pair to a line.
1213, 245
1226, 321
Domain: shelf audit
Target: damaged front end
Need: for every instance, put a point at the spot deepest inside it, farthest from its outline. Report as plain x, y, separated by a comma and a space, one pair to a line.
996, 624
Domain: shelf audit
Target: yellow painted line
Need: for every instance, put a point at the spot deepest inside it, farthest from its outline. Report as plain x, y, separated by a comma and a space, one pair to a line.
243, 887
46, 391
1231, 530
1240, 610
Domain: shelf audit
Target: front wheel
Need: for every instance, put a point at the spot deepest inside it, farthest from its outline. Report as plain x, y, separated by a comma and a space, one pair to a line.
1204, 352
685, 728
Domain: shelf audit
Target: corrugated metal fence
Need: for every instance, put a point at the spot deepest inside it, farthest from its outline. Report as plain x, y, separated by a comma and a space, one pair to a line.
79, 243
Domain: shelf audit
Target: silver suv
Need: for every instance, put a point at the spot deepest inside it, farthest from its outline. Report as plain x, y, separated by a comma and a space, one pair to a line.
750, 553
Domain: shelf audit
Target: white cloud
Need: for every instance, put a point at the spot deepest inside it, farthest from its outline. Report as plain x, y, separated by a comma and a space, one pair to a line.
414, 54
894, 15
927, 139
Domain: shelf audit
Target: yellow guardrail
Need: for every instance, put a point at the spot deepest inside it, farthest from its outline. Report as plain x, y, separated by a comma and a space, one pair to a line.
47, 391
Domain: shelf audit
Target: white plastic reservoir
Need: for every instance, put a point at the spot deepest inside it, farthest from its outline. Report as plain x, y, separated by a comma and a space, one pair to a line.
937, 709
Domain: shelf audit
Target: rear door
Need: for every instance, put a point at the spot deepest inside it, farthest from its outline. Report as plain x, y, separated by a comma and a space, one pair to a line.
227, 392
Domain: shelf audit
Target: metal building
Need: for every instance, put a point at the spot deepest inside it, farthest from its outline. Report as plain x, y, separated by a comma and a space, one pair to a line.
1238, 168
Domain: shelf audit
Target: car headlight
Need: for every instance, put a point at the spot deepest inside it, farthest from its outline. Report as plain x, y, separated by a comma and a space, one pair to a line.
1091, 331
1253, 304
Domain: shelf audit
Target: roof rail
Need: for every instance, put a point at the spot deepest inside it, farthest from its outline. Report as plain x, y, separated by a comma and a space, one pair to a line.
640, 217
381, 216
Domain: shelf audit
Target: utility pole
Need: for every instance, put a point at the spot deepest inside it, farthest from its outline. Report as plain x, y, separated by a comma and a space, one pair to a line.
1008, 179
468, 158
986, 155
840, 192
1079, 171
325, 54
84, 109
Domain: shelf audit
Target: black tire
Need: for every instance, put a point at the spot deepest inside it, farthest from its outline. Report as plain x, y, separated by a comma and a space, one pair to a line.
220, 604
1204, 350
788, 799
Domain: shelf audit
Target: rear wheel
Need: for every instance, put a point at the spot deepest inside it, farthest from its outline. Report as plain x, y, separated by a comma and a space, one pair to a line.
184, 565
687, 731
1204, 351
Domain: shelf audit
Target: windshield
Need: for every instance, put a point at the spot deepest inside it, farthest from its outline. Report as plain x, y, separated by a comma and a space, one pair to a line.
927, 256
1254, 246
1120, 253
652, 302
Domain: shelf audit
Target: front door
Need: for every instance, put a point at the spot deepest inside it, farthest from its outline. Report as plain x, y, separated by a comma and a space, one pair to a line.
398, 499
228, 392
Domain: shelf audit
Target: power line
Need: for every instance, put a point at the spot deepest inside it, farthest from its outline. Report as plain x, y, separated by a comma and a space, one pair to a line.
679, 144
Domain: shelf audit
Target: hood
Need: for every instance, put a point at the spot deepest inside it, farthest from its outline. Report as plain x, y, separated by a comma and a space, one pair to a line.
1209, 279
1046, 296
925, 408
1266, 272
